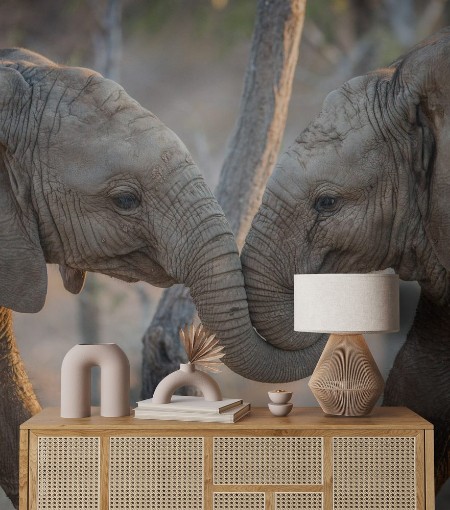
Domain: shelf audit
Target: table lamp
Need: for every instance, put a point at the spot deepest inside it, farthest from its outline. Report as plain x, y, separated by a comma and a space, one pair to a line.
346, 380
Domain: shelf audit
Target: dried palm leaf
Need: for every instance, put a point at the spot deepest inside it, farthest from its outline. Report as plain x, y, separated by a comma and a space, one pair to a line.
201, 348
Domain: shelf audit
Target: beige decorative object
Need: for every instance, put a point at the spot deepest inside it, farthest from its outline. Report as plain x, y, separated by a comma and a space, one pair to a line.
280, 405
187, 375
280, 396
346, 380
280, 409
202, 349
76, 380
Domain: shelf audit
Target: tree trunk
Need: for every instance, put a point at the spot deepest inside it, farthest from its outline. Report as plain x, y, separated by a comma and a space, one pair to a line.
17, 403
107, 38
250, 158
402, 18
161, 353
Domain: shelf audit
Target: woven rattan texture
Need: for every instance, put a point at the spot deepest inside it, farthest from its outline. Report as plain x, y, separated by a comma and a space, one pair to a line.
374, 473
238, 501
298, 501
267, 460
68, 473
156, 473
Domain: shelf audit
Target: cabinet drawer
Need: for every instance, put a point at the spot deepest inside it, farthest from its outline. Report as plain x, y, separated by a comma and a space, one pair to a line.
301, 500
239, 501
257, 501
267, 460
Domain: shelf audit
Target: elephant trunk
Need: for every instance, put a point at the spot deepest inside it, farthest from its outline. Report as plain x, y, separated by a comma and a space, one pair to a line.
269, 261
271, 303
214, 276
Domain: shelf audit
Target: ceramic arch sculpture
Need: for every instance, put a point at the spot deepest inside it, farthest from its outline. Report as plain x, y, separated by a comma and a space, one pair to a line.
187, 375
76, 380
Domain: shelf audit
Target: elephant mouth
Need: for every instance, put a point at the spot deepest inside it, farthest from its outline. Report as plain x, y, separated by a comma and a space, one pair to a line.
118, 276
139, 266
154, 278
131, 268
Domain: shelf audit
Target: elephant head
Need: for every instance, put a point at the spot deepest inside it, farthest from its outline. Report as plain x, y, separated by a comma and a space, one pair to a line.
365, 187
92, 181
87, 177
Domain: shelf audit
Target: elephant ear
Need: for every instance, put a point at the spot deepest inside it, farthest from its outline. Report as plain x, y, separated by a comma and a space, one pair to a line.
422, 80
23, 271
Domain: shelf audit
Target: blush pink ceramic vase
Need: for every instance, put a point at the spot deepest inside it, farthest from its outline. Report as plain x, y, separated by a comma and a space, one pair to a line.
76, 380
187, 375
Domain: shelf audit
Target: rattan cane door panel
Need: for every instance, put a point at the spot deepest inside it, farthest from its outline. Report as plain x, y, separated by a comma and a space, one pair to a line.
156, 473
239, 501
267, 460
68, 473
298, 501
374, 473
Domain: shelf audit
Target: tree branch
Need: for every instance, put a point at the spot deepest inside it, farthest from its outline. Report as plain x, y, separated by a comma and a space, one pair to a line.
254, 146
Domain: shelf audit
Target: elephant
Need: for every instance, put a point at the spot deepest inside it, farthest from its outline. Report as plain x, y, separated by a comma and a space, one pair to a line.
92, 181
364, 188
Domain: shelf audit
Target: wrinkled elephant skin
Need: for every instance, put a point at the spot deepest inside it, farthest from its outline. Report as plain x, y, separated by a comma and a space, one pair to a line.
365, 187
92, 181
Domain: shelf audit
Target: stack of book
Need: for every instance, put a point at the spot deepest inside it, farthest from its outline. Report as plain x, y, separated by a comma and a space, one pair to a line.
187, 408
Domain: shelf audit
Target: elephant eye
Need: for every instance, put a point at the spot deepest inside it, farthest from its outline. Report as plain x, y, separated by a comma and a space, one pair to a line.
326, 204
126, 201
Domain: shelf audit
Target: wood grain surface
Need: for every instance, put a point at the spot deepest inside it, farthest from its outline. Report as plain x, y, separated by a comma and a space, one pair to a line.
306, 418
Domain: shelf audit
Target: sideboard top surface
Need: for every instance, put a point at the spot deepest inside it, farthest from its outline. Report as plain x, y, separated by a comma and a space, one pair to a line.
259, 418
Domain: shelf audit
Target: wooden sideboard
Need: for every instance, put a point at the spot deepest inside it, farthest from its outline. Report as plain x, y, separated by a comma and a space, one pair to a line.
305, 461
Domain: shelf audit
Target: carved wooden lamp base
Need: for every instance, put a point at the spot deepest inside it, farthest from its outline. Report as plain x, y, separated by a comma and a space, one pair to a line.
346, 380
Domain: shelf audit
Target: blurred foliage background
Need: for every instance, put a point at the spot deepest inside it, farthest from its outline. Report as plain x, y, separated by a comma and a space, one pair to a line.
333, 27
185, 61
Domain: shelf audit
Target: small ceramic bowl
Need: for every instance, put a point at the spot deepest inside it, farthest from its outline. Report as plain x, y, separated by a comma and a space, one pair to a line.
280, 409
280, 396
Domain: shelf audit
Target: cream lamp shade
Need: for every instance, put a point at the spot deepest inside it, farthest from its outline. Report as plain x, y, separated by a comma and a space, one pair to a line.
346, 303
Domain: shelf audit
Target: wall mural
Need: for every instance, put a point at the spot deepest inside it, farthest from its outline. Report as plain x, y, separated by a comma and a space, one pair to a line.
363, 188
